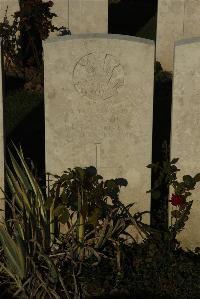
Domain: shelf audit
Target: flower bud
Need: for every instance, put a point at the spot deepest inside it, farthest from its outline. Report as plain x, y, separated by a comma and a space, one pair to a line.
176, 200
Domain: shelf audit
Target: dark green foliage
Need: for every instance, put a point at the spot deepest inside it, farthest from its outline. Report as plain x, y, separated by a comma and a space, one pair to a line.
33, 21
103, 264
95, 193
22, 41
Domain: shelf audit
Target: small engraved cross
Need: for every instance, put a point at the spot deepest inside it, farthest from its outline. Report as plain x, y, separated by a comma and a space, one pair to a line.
98, 160
98, 156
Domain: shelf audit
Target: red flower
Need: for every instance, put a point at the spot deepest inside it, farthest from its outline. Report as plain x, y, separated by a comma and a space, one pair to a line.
176, 200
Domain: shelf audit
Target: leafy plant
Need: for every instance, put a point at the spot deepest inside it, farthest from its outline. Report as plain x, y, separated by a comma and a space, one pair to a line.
80, 192
28, 238
26, 253
167, 173
22, 40
39, 261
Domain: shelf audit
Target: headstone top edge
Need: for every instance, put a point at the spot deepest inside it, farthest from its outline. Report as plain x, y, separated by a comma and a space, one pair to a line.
185, 41
99, 35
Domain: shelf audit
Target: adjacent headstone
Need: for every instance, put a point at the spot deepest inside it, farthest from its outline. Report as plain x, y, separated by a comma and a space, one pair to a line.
169, 28
185, 136
2, 202
81, 16
191, 19
177, 19
11, 6
99, 109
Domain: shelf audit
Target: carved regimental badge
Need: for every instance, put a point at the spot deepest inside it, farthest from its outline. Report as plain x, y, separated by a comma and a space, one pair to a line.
98, 76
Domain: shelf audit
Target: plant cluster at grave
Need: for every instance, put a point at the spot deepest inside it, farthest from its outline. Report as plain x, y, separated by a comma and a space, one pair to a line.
167, 174
80, 192
35, 253
89, 255
22, 40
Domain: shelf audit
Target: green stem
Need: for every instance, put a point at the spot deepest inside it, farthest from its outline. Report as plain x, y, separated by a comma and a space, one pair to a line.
81, 229
81, 220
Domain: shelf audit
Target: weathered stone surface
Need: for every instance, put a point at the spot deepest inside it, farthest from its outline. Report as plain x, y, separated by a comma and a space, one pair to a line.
185, 133
191, 19
2, 203
176, 19
99, 108
169, 28
13, 6
85, 16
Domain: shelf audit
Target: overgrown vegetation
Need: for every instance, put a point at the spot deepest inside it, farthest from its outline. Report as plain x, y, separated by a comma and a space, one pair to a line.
22, 41
92, 253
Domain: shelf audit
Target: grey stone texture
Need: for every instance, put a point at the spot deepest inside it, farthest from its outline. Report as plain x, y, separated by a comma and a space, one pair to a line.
169, 28
185, 133
177, 19
83, 16
99, 109
191, 19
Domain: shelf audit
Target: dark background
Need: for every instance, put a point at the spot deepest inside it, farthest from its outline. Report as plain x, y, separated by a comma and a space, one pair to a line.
129, 16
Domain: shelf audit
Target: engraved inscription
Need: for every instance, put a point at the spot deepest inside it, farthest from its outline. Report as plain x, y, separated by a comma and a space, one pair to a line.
80, 125
98, 76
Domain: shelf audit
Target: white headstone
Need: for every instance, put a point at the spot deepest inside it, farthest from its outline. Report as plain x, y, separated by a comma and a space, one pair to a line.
185, 133
191, 19
82, 16
169, 28
99, 108
2, 203
177, 19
